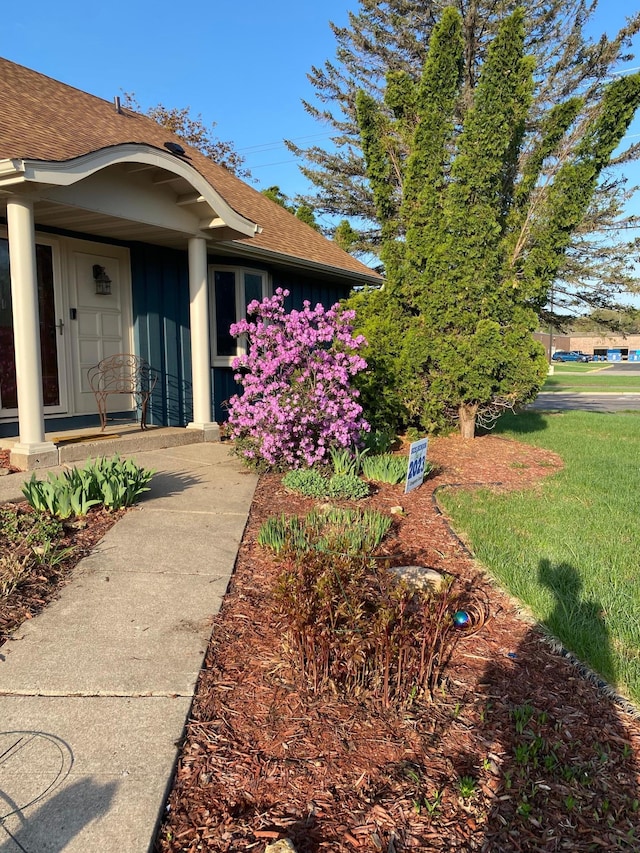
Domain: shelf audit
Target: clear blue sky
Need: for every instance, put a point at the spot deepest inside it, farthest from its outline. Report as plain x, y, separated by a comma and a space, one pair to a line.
240, 64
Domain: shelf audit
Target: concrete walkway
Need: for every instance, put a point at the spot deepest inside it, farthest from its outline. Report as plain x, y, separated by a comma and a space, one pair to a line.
95, 691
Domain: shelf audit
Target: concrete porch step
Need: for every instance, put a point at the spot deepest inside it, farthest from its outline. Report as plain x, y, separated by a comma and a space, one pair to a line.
123, 443
76, 446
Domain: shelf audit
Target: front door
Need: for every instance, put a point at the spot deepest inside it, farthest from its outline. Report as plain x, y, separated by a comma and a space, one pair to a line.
52, 329
100, 316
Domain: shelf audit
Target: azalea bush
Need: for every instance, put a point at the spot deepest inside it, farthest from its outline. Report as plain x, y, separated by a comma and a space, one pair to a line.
298, 402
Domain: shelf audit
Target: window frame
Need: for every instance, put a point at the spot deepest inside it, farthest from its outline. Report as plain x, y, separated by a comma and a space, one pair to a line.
240, 303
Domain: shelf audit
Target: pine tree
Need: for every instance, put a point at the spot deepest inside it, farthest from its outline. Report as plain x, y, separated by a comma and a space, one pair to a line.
481, 229
298, 207
393, 37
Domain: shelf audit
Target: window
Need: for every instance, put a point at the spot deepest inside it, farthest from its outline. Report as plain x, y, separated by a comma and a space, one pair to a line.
231, 290
48, 336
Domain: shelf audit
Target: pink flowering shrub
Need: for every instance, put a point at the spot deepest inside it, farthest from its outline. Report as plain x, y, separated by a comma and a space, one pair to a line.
297, 400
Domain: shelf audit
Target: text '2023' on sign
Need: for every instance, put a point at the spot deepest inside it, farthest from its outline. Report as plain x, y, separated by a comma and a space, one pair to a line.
416, 467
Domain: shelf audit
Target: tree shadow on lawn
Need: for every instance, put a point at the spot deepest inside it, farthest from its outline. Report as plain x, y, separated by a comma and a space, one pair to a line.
563, 771
522, 422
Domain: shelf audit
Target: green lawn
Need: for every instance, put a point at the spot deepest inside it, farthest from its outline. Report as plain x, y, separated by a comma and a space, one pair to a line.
570, 550
589, 377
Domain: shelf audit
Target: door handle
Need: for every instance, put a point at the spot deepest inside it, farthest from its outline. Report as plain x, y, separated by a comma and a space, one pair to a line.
60, 326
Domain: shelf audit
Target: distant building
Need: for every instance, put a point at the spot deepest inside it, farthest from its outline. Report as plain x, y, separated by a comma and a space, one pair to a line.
598, 345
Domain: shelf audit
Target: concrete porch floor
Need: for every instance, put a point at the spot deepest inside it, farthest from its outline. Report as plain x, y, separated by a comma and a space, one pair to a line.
123, 438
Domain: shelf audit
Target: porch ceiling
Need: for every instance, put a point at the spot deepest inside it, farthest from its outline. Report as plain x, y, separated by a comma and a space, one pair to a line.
56, 215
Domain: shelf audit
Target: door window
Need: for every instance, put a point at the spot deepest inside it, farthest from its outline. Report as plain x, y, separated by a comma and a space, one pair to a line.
48, 341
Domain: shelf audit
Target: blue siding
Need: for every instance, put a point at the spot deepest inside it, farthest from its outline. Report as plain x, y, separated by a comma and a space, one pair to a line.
225, 386
160, 282
314, 290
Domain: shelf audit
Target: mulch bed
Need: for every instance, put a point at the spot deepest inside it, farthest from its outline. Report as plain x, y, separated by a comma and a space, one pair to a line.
549, 761
43, 584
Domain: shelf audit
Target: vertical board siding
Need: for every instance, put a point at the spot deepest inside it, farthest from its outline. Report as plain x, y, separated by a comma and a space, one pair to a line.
160, 282
313, 290
225, 386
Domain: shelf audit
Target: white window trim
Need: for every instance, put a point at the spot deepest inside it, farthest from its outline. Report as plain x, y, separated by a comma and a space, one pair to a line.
239, 272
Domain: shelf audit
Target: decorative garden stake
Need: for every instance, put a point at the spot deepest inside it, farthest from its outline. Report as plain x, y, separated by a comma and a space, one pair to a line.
461, 619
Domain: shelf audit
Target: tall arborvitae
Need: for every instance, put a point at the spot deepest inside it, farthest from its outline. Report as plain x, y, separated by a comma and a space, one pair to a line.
393, 37
477, 238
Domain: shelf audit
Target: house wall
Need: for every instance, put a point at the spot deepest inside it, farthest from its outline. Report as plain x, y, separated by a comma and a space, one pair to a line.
160, 285
160, 316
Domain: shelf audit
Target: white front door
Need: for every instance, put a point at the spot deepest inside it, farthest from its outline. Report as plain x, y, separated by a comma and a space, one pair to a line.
100, 321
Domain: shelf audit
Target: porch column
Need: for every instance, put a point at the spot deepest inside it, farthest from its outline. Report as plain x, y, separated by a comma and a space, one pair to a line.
32, 451
200, 349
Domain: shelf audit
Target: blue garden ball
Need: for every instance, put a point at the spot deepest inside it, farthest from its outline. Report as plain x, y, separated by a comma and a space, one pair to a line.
461, 619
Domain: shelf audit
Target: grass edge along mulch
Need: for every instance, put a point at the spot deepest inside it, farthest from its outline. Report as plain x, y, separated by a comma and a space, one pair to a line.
518, 752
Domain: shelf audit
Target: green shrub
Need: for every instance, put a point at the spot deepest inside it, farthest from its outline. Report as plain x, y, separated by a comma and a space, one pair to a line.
307, 481
347, 487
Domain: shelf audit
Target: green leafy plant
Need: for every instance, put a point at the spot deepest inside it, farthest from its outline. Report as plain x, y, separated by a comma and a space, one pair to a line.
343, 461
114, 483
347, 487
41, 494
312, 483
378, 441
29, 546
343, 531
347, 460
119, 482
467, 786
280, 533
386, 468
522, 715
306, 481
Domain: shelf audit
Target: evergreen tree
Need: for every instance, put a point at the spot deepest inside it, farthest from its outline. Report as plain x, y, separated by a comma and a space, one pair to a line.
299, 208
393, 37
481, 229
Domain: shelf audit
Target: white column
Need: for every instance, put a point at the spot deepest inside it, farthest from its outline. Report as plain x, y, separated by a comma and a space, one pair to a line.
200, 348
32, 451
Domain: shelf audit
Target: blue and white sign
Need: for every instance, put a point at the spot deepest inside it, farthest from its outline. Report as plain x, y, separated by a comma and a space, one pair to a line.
417, 462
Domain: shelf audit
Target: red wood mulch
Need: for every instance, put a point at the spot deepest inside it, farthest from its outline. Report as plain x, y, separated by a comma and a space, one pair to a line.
263, 760
43, 583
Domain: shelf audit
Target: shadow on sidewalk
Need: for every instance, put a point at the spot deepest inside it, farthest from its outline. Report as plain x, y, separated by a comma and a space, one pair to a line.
58, 820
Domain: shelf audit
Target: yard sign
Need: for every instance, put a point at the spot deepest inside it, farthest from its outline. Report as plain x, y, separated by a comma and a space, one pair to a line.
417, 461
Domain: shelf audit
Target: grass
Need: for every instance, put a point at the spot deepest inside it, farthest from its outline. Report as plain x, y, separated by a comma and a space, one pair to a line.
570, 551
589, 377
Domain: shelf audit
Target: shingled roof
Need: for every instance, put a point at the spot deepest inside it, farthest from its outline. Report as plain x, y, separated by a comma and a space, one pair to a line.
45, 120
